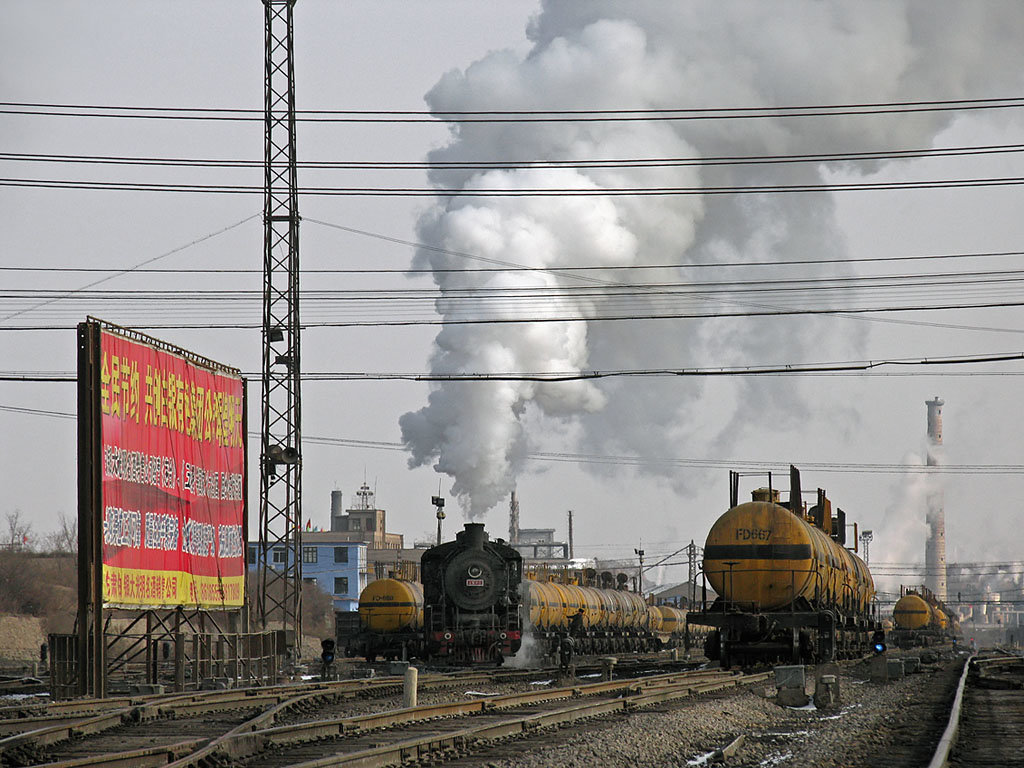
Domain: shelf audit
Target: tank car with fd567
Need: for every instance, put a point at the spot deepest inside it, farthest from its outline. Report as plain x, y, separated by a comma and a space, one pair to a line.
788, 589
480, 608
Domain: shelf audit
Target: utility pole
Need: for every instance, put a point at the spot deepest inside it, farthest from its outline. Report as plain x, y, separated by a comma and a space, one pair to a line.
865, 540
572, 553
691, 556
640, 580
280, 517
438, 503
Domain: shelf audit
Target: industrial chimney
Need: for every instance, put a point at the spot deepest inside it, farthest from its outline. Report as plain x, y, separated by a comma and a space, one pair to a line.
513, 520
935, 547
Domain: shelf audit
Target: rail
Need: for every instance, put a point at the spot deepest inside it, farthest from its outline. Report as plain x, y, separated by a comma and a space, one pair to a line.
948, 739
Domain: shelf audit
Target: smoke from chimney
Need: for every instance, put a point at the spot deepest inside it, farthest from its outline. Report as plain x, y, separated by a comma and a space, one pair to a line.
652, 56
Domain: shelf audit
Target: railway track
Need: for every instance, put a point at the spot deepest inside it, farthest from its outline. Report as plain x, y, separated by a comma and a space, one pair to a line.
156, 729
438, 732
987, 717
246, 727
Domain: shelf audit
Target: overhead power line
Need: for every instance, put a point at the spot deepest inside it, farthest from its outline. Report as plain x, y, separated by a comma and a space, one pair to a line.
512, 164
589, 268
822, 282
563, 376
635, 460
143, 263
509, 116
147, 322
640, 191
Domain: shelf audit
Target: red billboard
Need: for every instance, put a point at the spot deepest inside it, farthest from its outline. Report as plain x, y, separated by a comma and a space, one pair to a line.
172, 468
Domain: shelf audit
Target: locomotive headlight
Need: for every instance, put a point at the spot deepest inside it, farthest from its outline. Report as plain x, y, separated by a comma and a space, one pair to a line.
474, 571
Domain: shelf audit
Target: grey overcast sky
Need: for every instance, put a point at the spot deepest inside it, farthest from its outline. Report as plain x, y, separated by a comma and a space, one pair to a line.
655, 450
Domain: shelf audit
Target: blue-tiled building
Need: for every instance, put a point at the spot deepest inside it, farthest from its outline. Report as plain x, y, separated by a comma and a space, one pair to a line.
338, 567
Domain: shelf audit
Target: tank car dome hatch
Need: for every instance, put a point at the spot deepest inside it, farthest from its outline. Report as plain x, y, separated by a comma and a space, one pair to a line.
765, 494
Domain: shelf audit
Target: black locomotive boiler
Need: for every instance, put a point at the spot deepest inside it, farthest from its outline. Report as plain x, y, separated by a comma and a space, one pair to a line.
471, 598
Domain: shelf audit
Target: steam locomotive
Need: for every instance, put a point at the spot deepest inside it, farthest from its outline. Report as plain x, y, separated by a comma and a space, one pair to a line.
471, 598
477, 605
788, 588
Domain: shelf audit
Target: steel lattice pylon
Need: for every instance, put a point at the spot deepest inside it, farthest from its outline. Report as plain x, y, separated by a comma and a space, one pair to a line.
280, 583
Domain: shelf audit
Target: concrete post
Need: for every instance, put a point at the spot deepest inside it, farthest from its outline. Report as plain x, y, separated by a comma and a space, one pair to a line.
608, 668
826, 692
879, 669
409, 688
895, 669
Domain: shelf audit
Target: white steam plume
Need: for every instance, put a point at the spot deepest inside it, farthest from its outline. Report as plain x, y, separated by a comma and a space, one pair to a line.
656, 55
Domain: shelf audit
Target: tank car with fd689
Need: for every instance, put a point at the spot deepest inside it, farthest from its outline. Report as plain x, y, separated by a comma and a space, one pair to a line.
390, 621
788, 589
920, 618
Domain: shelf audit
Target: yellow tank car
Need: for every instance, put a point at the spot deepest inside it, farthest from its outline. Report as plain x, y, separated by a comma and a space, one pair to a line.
912, 612
673, 620
787, 587
543, 603
391, 605
761, 556
655, 622
593, 606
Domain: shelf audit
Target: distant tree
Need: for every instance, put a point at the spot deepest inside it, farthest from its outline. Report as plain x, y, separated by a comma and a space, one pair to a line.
64, 539
19, 533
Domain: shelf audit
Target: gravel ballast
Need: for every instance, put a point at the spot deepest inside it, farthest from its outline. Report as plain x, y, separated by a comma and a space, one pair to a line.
875, 724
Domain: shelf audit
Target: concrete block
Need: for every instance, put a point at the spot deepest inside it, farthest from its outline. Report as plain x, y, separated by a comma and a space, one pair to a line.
911, 664
215, 683
790, 677
147, 689
879, 669
397, 667
895, 669
792, 697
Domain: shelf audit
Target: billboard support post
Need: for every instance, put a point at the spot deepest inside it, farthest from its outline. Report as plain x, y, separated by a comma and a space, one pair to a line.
90, 599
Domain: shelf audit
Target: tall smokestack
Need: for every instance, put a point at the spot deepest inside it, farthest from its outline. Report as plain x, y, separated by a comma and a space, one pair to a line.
935, 547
